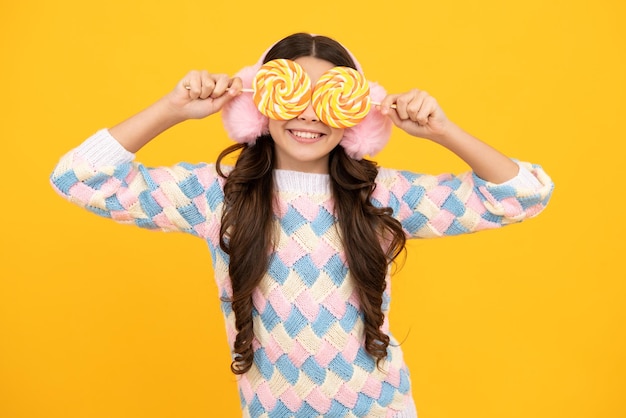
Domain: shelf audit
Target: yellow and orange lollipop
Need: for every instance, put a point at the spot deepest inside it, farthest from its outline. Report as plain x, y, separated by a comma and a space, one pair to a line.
282, 89
341, 97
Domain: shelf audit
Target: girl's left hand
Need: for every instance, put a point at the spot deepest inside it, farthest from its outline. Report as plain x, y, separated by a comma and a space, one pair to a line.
417, 113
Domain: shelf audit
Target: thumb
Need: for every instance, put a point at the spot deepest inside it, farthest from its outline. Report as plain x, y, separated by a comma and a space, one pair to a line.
234, 89
393, 115
407, 125
220, 102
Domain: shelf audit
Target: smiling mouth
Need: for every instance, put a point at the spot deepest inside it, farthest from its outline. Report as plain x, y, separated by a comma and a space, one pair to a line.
305, 136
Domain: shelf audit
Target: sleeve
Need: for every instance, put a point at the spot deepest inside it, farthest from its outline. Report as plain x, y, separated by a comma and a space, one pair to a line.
434, 206
100, 176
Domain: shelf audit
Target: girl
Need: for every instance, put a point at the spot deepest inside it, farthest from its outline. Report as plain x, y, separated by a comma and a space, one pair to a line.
303, 229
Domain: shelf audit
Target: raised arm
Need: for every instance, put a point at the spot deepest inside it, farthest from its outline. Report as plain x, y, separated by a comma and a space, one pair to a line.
497, 192
419, 114
198, 95
100, 174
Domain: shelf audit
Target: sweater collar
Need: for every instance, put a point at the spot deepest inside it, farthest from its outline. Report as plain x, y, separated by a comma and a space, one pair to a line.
300, 182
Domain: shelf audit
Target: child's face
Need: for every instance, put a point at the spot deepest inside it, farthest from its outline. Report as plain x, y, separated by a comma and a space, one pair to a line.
303, 143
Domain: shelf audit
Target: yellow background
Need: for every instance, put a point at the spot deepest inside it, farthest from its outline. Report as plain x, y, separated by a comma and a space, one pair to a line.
102, 320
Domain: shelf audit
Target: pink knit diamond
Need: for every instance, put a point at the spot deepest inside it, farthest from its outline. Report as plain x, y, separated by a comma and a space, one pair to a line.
265, 396
291, 400
317, 398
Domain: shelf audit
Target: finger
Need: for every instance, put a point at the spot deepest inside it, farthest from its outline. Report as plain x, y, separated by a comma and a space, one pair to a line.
235, 86
393, 115
387, 103
426, 110
207, 85
220, 101
221, 85
185, 82
415, 108
403, 103
193, 83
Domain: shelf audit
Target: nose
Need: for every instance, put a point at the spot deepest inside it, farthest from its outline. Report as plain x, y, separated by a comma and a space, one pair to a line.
309, 114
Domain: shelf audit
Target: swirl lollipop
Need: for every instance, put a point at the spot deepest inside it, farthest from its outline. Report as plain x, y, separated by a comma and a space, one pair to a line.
282, 90
341, 97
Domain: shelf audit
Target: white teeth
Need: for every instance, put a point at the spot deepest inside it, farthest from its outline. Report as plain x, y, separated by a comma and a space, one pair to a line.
307, 135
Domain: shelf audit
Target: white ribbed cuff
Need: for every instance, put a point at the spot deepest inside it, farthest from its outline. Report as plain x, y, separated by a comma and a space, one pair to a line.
524, 180
101, 149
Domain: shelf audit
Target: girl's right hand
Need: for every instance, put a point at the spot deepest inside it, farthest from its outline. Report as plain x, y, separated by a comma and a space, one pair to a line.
200, 94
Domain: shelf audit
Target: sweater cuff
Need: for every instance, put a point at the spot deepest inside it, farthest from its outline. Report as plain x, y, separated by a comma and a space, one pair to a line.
524, 179
101, 149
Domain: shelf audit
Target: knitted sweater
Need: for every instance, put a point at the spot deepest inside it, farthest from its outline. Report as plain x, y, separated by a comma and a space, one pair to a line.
309, 356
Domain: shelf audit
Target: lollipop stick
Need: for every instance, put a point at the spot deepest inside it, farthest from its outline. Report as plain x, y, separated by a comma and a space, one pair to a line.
393, 106
243, 90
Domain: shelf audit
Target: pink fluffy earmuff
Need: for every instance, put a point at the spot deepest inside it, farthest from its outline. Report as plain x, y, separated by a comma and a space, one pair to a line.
244, 123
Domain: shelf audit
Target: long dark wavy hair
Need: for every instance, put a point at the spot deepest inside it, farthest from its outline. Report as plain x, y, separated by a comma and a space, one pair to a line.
371, 237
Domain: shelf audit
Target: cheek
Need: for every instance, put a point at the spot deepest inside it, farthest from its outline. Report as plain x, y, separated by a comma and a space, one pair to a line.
337, 134
274, 126
277, 129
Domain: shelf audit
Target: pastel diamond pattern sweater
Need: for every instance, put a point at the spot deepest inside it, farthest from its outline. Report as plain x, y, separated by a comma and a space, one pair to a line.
309, 356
